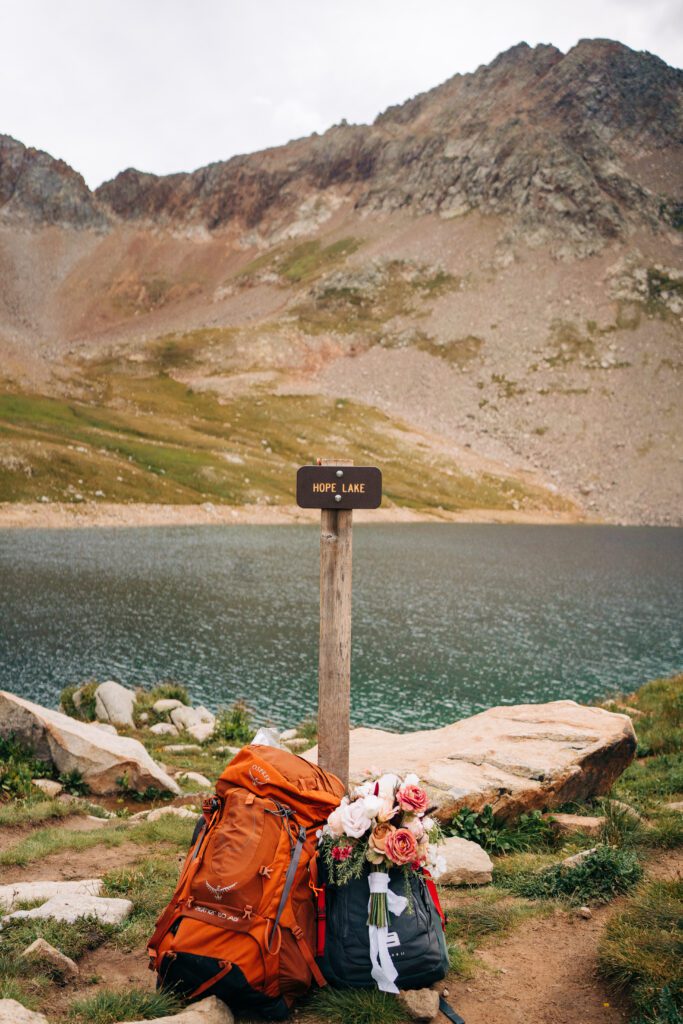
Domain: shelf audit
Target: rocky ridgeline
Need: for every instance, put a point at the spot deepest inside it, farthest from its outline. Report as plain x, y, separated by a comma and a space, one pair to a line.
551, 140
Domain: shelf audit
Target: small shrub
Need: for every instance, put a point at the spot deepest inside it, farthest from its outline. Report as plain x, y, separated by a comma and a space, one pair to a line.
356, 1007
148, 795
18, 765
135, 1004
641, 950
74, 783
530, 830
235, 724
597, 879
170, 690
84, 711
308, 730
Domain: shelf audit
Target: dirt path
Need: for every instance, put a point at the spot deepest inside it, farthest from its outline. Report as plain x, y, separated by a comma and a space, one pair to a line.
545, 971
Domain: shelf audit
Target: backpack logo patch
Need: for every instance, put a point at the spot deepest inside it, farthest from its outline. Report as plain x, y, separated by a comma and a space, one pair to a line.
258, 775
218, 892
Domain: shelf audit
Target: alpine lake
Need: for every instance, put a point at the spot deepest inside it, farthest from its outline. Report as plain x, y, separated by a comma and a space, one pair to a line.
447, 619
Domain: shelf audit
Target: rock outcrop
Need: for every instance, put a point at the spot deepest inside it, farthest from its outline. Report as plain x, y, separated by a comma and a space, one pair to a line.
37, 189
518, 758
101, 758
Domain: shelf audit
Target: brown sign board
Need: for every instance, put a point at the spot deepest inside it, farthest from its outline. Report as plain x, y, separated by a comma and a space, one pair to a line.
338, 487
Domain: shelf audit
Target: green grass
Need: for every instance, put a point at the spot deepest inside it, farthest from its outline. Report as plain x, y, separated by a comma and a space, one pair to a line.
33, 810
44, 842
599, 878
234, 725
491, 913
301, 262
134, 1004
641, 950
73, 940
354, 1007
167, 444
149, 885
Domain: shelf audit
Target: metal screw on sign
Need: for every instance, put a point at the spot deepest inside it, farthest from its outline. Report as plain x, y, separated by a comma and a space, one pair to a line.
336, 492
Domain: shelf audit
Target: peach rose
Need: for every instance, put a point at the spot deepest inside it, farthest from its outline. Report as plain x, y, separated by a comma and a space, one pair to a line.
400, 846
379, 836
412, 798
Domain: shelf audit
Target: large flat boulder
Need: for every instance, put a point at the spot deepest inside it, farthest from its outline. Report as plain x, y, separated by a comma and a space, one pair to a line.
12, 1012
99, 756
108, 909
518, 758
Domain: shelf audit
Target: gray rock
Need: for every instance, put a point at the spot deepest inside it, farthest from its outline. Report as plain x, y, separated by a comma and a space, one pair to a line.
114, 703
208, 1011
106, 727
466, 863
31, 892
72, 745
182, 748
197, 777
162, 812
566, 824
45, 953
49, 787
288, 734
163, 729
198, 722
677, 805
166, 704
12, 1012
69, 908
421, 1004
578, 858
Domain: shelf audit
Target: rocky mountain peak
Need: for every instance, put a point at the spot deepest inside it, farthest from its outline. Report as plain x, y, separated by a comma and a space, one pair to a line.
35, 188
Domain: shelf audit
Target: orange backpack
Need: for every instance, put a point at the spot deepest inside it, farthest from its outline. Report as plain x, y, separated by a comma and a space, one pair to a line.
241, 923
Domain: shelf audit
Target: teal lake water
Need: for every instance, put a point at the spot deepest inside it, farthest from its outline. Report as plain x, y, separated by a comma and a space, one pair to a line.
448, 619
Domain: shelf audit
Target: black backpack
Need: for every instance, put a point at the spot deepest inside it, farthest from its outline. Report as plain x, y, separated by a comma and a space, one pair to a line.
417, 944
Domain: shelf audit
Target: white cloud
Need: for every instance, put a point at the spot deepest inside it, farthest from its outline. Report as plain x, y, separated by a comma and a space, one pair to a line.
168, 85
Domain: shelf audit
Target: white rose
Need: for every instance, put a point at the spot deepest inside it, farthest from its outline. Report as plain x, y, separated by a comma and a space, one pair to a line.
387, 810
373, 805
428, 824
387, 785
365, 790
355, 819
335, 822
411, 779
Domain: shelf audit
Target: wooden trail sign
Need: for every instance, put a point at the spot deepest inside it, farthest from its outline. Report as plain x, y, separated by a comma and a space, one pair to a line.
336, 487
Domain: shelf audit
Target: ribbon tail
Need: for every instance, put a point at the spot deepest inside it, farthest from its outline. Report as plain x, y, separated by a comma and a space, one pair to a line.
383, 972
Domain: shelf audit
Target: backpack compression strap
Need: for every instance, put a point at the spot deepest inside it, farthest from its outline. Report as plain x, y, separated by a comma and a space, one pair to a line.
449, 1012
296, 932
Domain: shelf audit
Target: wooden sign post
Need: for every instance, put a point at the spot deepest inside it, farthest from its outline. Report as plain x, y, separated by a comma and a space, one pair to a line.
336, 487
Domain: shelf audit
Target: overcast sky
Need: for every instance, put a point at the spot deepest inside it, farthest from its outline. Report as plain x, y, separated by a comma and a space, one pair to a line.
168, 85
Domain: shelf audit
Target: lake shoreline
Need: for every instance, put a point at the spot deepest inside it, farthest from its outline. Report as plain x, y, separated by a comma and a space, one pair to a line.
60, 516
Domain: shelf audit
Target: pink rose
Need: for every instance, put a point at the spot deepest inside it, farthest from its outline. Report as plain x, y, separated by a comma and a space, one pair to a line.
412, 798
400, 846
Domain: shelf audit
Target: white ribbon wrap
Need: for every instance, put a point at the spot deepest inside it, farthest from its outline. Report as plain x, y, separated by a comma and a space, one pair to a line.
383, 971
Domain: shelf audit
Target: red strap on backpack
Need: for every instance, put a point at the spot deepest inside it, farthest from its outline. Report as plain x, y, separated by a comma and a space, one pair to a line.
429, 882
322, 922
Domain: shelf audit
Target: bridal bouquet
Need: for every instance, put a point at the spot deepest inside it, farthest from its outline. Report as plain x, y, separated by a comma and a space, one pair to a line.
384, 823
